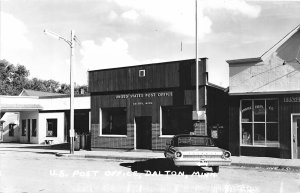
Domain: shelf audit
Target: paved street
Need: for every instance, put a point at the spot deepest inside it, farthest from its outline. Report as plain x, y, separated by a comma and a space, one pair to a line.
34, 170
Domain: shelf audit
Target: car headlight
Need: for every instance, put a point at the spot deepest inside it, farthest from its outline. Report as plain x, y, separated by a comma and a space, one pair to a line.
178, 154
226, 154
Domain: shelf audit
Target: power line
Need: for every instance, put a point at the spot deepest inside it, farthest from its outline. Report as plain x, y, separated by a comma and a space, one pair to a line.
281, 40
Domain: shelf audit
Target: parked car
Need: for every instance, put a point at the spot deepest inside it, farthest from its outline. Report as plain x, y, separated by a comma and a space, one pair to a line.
195, 150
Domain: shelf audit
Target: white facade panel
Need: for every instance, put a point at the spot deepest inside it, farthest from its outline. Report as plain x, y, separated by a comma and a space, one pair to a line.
279, 71
64, 103
43, 117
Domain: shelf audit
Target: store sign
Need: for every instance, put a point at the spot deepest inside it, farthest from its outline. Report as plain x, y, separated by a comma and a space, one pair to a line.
291, 99
145, 95
259, 110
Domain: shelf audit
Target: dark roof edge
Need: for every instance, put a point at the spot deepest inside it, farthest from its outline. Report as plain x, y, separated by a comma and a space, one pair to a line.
216, 86
64, 96
244, 60
140, 65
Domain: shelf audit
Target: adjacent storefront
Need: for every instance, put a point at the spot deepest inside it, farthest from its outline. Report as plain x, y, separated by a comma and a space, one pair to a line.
264, 107
42, 119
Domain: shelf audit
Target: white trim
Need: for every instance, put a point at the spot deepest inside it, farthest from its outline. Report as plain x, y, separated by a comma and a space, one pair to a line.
103, 135
160, 125
166, 136
160, 121
253, 121
90, 121
240, 122
100, 122
134, 134
142, 73
244, 145
292, 119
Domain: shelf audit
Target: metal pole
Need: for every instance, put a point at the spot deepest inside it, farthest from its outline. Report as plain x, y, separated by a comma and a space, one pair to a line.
72, 132
197, 65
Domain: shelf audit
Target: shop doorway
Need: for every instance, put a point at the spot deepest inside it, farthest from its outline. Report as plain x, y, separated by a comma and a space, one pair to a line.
143, 132
295, 136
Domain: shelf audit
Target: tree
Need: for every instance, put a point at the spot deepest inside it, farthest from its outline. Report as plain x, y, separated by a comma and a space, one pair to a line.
64, 88
13, 78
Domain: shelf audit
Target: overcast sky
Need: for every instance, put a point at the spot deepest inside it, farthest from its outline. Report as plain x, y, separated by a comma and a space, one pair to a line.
116, 33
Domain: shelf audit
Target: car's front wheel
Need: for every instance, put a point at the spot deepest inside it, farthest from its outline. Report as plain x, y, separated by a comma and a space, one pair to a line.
215, 169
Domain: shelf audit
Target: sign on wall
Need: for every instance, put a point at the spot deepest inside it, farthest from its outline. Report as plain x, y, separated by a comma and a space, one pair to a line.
143, 96
291, 99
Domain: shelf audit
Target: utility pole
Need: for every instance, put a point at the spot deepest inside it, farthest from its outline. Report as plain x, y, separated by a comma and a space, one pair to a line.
71, 44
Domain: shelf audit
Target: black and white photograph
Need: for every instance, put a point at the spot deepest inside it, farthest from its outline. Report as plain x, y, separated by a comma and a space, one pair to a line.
149, 96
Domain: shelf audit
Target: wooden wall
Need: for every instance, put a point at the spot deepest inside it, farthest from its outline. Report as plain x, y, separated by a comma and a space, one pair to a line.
177, 74
217, 115
156, 76
234, 127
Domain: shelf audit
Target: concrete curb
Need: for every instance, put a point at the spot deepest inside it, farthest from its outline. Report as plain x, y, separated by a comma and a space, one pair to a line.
104, 157
266, 166
248, 165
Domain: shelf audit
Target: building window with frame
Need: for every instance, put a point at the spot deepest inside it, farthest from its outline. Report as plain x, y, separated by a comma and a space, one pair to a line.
24, 127
113, 121
176, 120
33, 127
51, 127
259, 122
11, 128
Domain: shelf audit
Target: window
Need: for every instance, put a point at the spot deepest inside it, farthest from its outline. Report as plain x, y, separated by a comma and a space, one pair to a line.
24, 127
11, 130
51, 127
176, 120
33, 127
259, 122
142, 73
113, 121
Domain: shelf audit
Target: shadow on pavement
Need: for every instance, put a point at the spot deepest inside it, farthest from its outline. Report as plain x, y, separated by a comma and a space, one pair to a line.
161, 166
61, 146
50, 153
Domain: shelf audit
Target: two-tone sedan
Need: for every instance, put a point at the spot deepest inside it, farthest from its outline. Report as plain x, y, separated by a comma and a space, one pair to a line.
195, 150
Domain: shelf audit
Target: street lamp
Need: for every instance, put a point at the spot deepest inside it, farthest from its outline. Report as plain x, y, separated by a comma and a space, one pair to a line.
71, 44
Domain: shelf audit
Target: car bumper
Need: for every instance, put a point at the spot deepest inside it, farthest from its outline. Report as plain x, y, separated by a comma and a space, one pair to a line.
203, 163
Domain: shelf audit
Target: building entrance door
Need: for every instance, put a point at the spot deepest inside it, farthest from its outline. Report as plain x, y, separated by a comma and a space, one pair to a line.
143, 132
296, 137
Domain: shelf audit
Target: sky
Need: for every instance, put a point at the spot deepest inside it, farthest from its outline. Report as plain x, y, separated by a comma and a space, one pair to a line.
117, 33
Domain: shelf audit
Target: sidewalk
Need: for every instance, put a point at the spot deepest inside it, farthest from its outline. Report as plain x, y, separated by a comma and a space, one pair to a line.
142, 155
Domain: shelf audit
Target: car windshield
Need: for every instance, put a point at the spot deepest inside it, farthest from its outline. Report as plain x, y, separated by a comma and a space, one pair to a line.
194, 141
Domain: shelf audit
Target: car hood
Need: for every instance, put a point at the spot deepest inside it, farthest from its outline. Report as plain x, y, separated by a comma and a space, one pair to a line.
199, 148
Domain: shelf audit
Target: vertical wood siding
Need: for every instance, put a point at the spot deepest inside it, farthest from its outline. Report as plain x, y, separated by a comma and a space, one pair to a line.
122, 79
